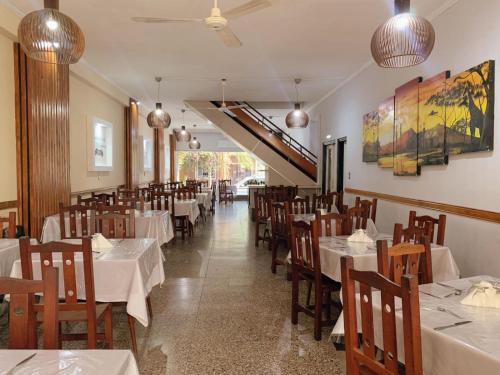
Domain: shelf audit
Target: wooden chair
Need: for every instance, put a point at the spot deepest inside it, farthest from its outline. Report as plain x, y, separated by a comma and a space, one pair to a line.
322, 202
337, 199
420, 221
182, 223
8, 224
145, 193
356, 219
300, 206
107, 199
363, 360
22, 310
173, 185
214, 198
127, 193
80, 221
279, 212
157, 188
71, 307
161, 201
325, 224
132, 202
369, 208
306, 265
225, 192
116, 221
411, 234
262, 216
185, 193
89, 202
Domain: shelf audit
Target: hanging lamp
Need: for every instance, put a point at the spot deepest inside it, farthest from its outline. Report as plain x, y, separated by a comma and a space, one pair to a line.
182, 135
50, 36
159, 119
194, 144
404, 40
298, 118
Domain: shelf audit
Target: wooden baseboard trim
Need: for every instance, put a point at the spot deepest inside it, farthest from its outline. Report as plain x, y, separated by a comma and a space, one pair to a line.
472, 213
7, 205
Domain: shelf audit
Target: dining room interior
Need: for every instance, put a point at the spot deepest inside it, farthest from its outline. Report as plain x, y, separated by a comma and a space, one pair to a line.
249, 187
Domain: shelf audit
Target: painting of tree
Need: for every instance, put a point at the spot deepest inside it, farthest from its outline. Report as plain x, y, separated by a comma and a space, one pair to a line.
432, 121
386, 134
406, 129
370, 137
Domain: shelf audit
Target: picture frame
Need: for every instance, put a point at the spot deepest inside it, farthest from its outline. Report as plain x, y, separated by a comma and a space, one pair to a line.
99, 145
147, 149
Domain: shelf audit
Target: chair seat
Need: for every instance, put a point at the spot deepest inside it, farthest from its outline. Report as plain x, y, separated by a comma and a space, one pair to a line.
79, 315
325, 281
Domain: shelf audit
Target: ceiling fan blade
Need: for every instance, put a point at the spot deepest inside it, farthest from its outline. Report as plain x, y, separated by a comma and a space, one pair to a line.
247, 8
164, 20
228, 37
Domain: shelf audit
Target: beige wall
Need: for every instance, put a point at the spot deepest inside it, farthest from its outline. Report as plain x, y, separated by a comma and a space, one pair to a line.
87, 102
146, 133
8, 186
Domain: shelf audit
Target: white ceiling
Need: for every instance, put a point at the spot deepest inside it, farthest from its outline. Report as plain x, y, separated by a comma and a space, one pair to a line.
321, 41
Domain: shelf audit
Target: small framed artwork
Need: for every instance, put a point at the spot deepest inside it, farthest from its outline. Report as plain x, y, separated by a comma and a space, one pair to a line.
99, 145
148, 154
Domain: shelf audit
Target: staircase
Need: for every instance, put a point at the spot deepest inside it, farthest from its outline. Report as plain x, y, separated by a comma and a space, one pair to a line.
255, 133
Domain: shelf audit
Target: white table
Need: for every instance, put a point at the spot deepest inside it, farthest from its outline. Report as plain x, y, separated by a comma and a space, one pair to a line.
472, 348
205, 199
148, 224
187, 207
127, 273
91, 362
9, 253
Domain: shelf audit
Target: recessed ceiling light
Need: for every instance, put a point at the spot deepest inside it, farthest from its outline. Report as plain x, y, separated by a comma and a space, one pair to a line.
328, 136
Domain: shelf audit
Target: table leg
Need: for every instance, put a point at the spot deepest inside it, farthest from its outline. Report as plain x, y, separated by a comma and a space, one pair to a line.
131, 326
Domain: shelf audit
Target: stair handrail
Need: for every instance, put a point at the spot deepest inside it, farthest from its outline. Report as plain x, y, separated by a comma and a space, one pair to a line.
276, 130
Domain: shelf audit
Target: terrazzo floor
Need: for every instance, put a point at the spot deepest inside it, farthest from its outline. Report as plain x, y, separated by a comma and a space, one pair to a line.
222, 311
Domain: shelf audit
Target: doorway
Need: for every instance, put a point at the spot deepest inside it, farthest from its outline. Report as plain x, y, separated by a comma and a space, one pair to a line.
328, 167
340, 163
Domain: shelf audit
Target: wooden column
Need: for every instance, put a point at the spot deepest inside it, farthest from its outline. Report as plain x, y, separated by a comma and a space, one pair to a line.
172, 144
159, 155
42, 132
132, 144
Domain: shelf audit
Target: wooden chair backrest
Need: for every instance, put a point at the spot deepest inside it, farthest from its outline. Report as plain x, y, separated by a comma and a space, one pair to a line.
145, 193
162, 201
173, 185
356, 219
322, 202
184, 193
116, 221
157, 188
9, 223
305, 247
363, 360
337, 199
261, 206
421, 221
325, 221
107, 199
279, 212
22, 315
134, 202
300, 206
81, 220
369, 207
67, 253
89, 202
128, 193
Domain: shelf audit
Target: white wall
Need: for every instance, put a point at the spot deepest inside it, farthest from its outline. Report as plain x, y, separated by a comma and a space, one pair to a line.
466, 35
146, 133
210, 141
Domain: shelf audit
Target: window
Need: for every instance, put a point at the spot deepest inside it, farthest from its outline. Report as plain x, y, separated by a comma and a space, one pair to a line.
148, 154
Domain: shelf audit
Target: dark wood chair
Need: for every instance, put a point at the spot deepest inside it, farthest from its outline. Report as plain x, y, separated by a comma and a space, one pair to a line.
161, 201
156, 188
185, 193
132, 202
80, 221
322, 202
421, 221
8, 225
127, 193
214, 197
356, 219
107, 199
279, 212
363, 360
89, 202
306, 265
116, 221
182, 223
300, 206
337, 199
331, 224
71, 308
369, 208
145, 193
23, 310
225, 192
262, 216
174, 185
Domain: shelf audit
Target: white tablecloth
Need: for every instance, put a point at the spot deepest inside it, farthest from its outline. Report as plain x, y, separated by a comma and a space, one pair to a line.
126, 274
148, 224
187, 207
472, 348
91, 362
9, 253
205, 199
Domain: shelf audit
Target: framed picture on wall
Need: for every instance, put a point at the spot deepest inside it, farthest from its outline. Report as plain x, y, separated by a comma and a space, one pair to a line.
99, 145
148, 154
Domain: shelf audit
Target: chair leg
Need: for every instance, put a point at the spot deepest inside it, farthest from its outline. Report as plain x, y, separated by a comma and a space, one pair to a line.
108, 328
274, 255
257, 236
131, 327
309, 290
318, 308
295, 297
150, 307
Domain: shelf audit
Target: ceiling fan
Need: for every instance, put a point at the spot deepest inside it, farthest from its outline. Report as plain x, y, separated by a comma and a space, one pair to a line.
224, 107
216, 21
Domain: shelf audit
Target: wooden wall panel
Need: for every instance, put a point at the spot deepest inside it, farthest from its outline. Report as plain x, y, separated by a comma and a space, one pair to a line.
132, 144
159, 155
43, 139
172, 145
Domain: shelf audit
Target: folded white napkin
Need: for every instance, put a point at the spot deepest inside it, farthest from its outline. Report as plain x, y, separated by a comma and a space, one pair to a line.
371, 229
483, 294
100, 244
360, 235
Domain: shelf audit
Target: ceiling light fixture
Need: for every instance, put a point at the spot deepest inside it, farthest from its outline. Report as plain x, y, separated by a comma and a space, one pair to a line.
182, 135
50, 36
404, 40
194, 144
159, 119
297, 118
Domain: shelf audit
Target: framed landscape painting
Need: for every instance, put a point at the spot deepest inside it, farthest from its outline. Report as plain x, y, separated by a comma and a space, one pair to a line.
469, 101
370, 144
406, 129
432, 120
386, 134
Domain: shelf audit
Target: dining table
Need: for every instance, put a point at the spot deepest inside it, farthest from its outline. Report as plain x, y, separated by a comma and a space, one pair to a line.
457, 339
68, 362
125, 273
9, 253
204, 199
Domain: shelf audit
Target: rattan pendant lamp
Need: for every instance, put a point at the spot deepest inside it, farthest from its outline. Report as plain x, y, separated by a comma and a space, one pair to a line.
298, 118
404, 40
182, 135
50, 36
159, 119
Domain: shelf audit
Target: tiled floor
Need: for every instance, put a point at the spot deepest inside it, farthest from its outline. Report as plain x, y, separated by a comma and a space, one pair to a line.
222, 311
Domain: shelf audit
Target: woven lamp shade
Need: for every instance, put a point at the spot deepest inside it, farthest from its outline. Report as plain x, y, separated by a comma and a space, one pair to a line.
182, 135
48, 35
158, 119
402, 41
